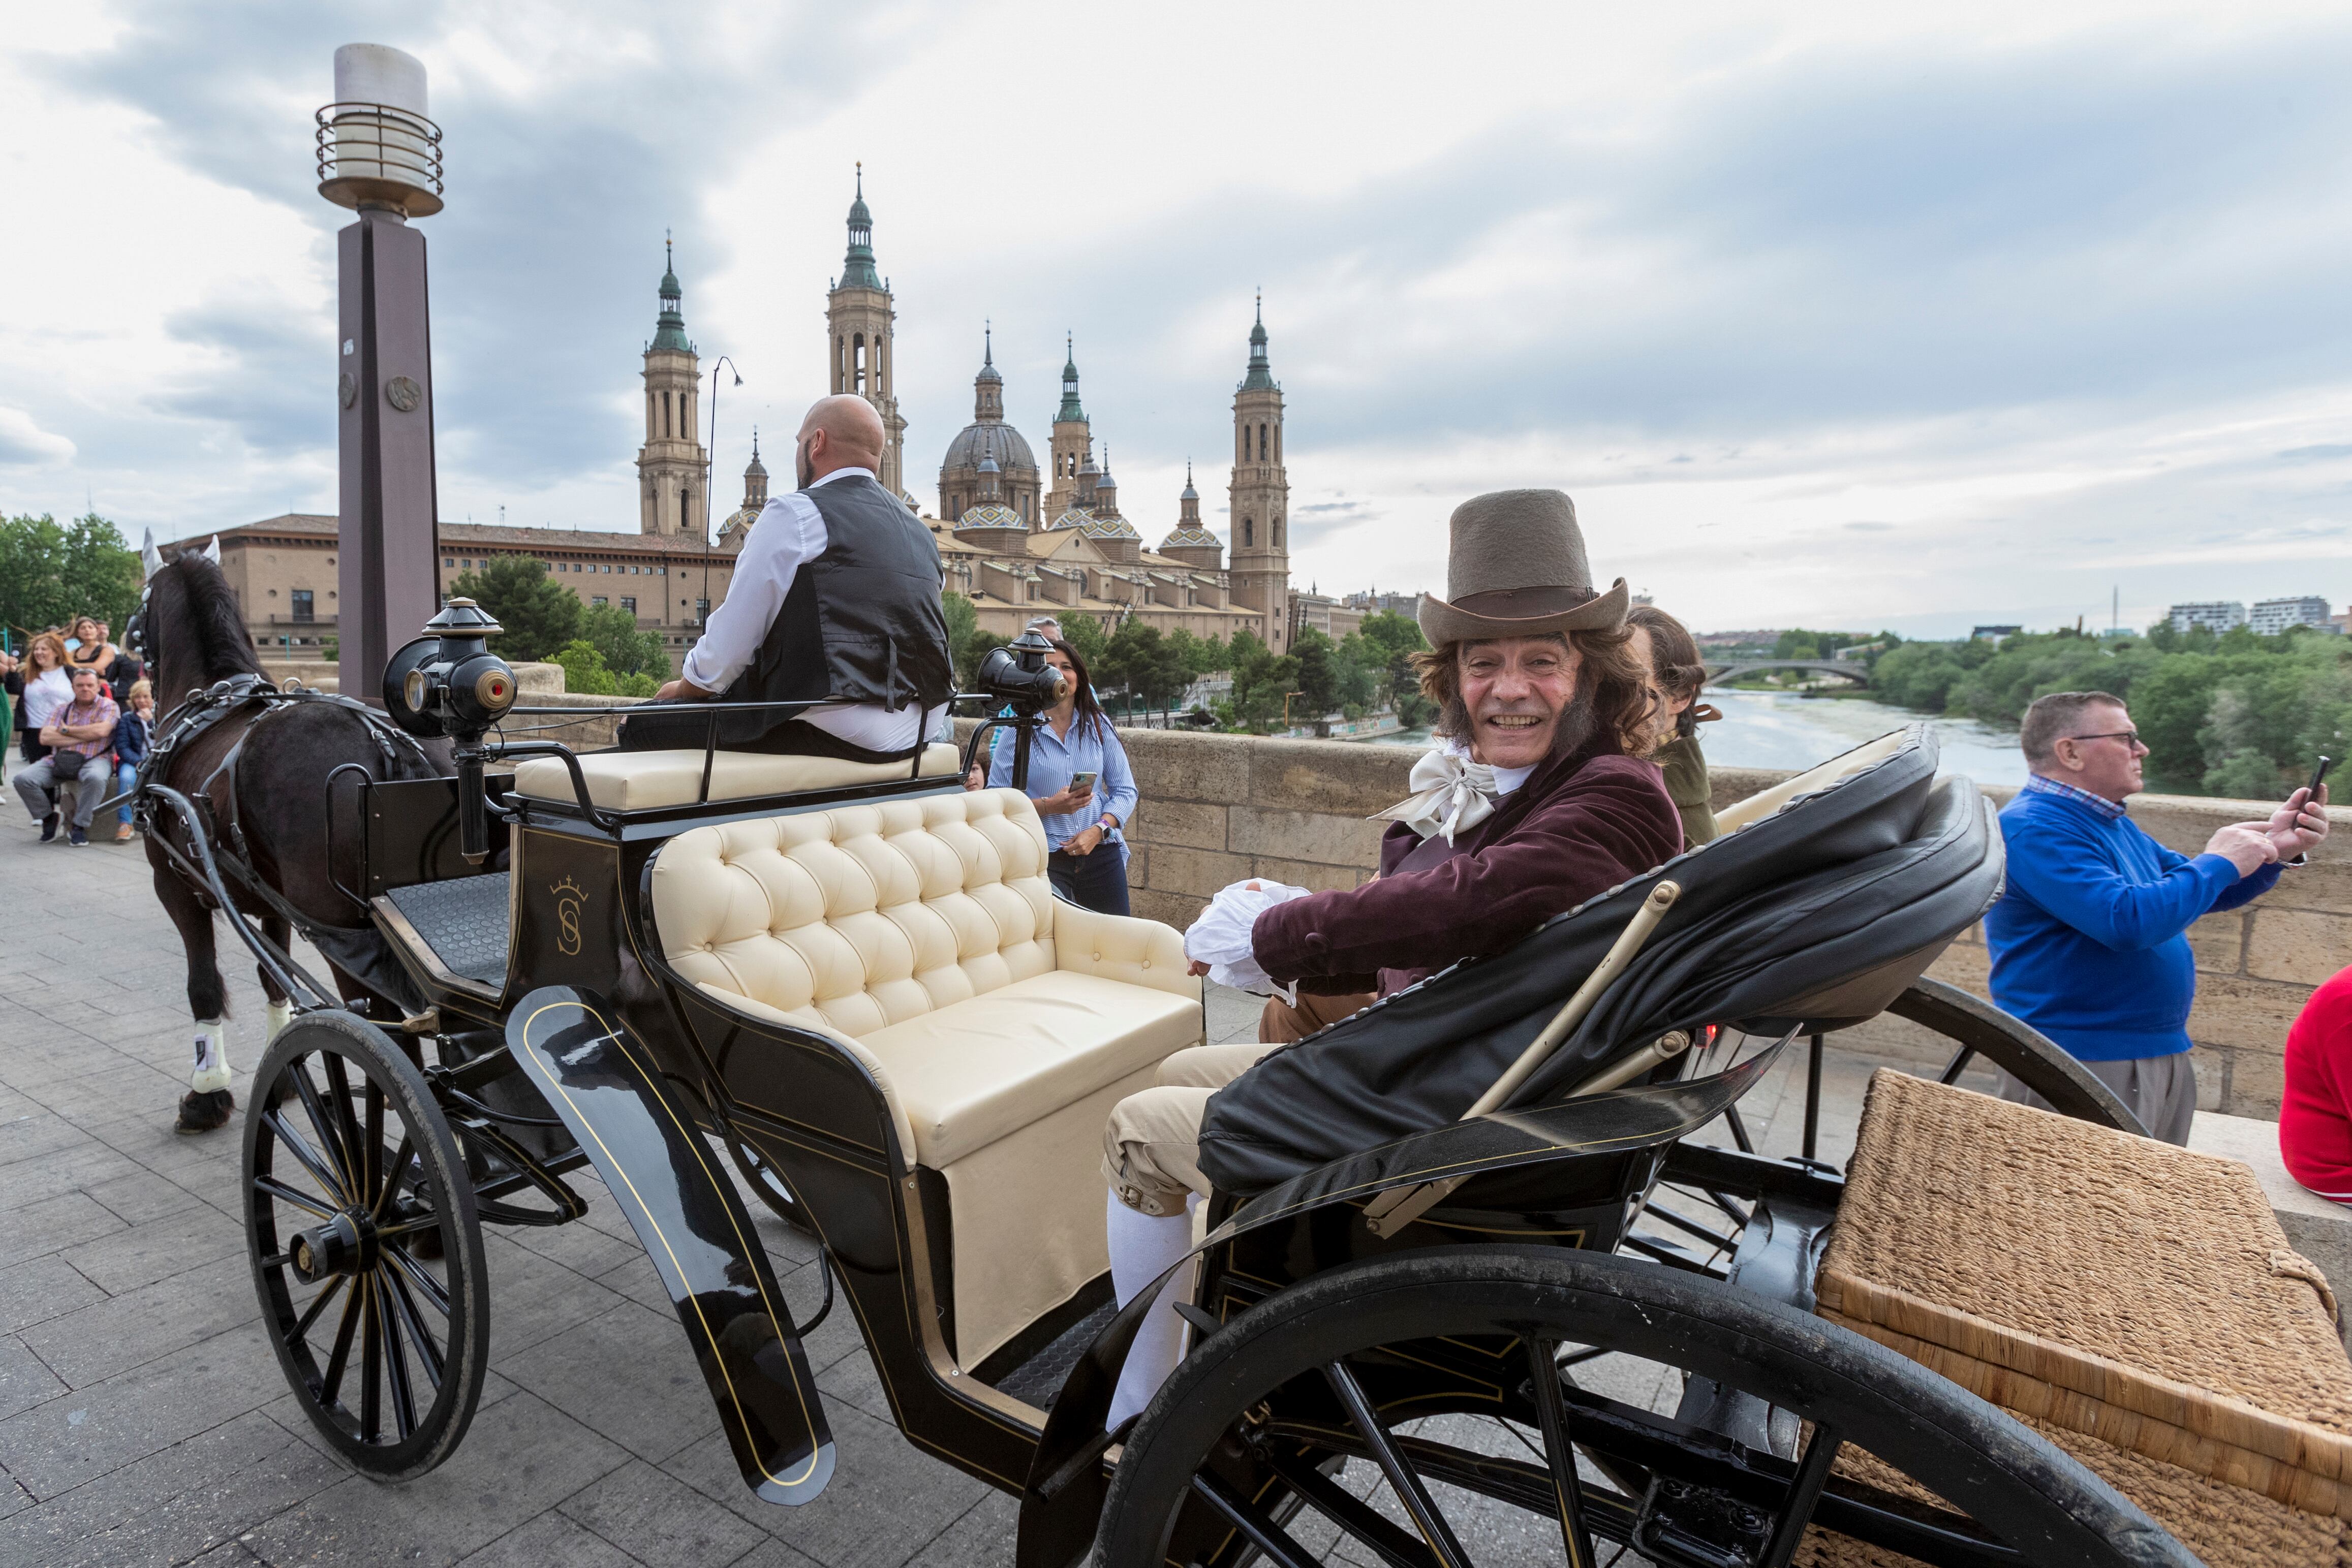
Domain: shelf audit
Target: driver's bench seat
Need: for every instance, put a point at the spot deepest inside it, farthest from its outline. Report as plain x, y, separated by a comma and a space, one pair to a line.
1002, 1023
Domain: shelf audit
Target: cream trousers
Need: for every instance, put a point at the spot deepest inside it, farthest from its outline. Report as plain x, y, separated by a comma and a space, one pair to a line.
1151, 1142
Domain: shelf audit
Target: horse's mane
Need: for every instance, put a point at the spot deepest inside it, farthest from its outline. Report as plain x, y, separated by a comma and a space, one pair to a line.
208, 613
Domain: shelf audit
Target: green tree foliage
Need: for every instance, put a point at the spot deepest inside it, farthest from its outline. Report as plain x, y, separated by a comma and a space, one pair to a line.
2234, 715
1260, 679
1397, 638
1151, 669
540, 614
1318, 678
1085, 634
612, 632
585, 673
52, 571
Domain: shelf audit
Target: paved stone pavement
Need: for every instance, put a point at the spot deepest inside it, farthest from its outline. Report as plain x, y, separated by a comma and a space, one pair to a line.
143, 1416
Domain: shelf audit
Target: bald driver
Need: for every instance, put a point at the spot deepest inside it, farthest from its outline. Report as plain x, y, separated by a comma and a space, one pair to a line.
836, 601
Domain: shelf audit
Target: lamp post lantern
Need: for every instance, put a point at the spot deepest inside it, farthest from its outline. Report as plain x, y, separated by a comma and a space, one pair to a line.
379, 154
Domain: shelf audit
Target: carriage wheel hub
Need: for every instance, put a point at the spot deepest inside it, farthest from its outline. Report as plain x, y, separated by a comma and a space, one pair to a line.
344, 1245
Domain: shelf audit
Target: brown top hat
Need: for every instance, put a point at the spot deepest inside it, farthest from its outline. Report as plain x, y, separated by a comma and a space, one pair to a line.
1515, 567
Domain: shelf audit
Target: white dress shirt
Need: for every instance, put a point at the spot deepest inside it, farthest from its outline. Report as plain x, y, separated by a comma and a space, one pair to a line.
789, 533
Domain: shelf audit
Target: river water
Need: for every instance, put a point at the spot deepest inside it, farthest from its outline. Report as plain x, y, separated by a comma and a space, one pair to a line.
1783, 730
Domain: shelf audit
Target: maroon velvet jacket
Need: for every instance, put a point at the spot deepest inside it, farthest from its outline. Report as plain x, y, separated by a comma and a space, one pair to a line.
1580, 825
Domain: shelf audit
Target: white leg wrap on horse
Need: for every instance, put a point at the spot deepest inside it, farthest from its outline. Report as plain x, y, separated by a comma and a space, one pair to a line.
280, 1015
211, 1056
1141, 1246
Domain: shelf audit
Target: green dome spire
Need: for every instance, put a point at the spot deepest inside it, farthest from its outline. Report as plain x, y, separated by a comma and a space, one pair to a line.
1260, 375
857, 267
1070, 409
670, 330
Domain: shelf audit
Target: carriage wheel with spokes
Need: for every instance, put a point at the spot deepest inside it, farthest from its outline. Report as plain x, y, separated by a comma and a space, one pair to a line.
351, 1178
1427, 1409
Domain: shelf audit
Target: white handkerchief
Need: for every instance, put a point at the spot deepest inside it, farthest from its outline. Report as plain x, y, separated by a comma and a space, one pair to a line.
1220, 937
1452, 794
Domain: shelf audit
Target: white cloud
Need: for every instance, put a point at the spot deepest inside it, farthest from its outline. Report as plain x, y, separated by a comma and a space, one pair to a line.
2045, 296
24, 442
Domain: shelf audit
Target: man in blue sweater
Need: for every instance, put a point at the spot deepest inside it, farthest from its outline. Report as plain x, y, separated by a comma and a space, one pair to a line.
2088, 941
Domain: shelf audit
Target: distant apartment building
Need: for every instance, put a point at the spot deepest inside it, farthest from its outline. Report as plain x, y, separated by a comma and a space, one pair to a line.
2273, 616
2216, 615
1375, 602
1320, 612
1992, 634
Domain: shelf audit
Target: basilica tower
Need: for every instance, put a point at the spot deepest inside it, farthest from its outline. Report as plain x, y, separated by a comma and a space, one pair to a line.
670, 465
1073, 439
858, 314
1260, 573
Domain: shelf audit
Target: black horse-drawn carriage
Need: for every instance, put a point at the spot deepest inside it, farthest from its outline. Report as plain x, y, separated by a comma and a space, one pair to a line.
1563, 1317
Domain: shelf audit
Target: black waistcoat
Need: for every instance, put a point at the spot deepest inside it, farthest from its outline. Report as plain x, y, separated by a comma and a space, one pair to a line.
862, 621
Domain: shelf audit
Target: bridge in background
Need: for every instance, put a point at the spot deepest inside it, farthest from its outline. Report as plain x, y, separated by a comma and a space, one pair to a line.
1717, 673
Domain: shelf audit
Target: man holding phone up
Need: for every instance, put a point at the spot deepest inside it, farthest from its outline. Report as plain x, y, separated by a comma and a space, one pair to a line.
2088, 940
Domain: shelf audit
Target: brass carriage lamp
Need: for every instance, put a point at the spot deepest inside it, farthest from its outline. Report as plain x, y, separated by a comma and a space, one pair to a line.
448, 683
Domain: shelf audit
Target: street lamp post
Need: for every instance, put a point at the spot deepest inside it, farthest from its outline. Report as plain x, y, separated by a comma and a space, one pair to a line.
378, 155
709, 458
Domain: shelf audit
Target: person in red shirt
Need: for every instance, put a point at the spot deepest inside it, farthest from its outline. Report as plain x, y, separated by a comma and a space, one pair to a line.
2316, 1111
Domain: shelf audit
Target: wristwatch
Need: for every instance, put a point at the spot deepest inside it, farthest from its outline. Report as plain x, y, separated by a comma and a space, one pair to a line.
1106, 822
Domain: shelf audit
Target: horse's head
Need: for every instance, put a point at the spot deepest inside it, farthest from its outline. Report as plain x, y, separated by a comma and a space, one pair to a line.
190, 629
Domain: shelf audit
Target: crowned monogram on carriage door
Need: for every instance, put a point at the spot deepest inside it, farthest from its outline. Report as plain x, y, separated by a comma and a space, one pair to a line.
568, 895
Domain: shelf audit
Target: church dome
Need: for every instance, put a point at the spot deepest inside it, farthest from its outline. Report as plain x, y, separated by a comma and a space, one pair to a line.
1190, 536
1109, 528
989, 439
991, 517
1075, 517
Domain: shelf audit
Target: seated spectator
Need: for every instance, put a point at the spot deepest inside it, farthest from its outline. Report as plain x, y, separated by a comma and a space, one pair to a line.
2087, 942
41, 684
1678, 676
1088, 863
80, 736
2315, 1128
129, 750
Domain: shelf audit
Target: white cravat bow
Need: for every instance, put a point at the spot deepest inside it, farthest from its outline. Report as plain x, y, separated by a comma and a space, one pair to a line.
1451, 794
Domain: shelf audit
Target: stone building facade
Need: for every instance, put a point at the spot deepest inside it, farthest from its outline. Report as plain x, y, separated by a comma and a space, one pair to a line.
1019, 543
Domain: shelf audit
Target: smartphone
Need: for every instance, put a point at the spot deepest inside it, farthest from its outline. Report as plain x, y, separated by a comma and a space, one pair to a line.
1083, 780
2319, 776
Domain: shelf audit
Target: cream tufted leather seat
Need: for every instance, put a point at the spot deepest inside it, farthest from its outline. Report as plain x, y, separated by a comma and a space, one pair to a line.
639, 780
1002, 1024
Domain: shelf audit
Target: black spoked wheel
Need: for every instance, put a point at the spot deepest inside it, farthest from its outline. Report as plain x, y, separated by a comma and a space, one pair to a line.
1446, 1407
762, 1179
366, 1247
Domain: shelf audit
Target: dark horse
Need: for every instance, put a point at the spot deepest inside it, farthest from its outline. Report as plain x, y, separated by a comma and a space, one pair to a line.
267, 810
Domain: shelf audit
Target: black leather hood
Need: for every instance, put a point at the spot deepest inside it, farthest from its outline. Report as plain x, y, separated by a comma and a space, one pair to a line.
1822, 912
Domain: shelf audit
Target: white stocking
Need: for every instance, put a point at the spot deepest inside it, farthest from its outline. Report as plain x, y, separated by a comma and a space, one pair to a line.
1142, 1246
280, 1015
211, 1056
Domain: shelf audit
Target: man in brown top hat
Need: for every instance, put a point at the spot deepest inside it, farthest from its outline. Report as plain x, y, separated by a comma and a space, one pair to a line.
1536, 801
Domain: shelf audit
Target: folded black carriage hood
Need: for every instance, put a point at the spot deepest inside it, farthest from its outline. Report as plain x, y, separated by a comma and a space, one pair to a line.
1822, 912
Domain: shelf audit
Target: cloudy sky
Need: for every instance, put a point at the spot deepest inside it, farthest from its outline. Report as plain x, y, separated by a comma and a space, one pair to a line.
1843, 315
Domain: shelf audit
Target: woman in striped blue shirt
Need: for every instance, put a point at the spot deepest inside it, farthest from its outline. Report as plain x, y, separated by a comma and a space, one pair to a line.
1079, 778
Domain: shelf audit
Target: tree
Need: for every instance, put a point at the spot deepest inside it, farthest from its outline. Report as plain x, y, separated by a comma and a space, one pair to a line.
1138, 661
1085, 634
585, 673
51, 572
540, 614
1318, 678
612, 632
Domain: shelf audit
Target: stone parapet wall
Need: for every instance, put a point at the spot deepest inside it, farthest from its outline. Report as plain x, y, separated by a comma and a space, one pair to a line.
1216, 808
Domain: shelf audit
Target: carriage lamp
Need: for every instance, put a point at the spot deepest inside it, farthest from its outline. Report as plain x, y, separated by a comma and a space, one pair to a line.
448, 683
1018, 675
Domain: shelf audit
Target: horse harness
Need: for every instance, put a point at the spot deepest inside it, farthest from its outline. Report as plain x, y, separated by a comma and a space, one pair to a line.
251, 696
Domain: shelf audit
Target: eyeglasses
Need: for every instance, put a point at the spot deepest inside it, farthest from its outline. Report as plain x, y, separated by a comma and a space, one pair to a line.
2128, 737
